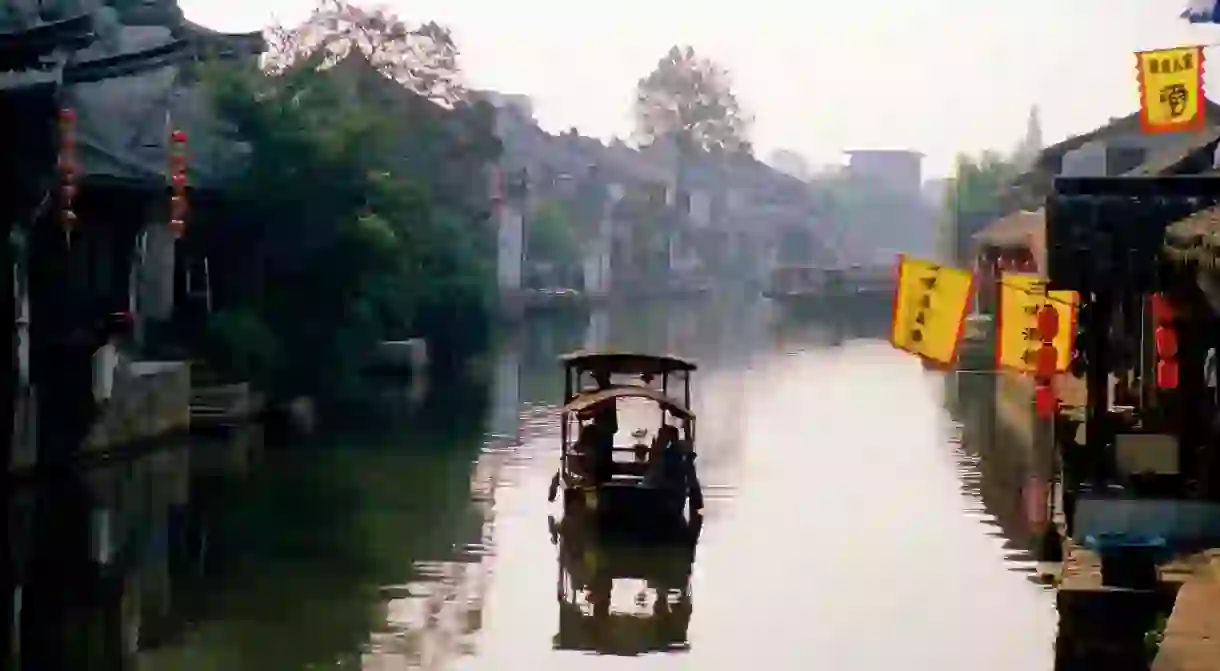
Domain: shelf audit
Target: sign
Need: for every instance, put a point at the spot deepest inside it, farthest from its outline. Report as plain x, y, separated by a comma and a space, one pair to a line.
1171, 89
1022, 295
930, 305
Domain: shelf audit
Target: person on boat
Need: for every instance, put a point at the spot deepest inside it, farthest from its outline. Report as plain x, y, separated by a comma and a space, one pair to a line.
678, 468
603, 449
666, 435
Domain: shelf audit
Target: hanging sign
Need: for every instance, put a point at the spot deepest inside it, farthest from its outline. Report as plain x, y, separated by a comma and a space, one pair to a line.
1171, 89
1022, 297
930, 305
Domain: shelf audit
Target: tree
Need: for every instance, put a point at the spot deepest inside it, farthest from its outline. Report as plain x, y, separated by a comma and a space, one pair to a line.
422, 58
333, 243
979, 192
689, 99
551, 235
1030, 146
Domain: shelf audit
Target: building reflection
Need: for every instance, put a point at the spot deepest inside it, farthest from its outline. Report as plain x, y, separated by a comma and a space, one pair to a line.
619, 598
997, 469
96, 556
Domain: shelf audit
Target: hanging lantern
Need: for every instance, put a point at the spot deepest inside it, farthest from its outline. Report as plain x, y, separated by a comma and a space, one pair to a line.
1167, 374
1166, 339
178, 183
67, 170
1166, 342
1046, 362
1162, 309
1048, 323
1045, 402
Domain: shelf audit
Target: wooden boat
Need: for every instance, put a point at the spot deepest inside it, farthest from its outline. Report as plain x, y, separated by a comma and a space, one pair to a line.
637, 488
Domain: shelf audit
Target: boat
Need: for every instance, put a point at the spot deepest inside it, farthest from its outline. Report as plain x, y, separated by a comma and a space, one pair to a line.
591, 567
641, 488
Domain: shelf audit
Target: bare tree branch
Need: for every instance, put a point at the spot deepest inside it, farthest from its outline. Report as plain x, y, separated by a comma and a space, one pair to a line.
423, 58
689, 99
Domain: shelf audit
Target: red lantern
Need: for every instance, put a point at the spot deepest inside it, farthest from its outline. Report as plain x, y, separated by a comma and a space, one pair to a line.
67, 168
1045, 402
1046, 362
178, 182
1167, 374
1162, 309
1048, 322
1166, 342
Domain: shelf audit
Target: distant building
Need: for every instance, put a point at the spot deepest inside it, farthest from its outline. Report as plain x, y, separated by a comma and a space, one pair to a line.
790, 163
899, 170
934, 192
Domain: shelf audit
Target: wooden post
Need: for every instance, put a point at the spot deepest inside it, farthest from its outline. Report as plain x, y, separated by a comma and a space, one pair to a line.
1097, 381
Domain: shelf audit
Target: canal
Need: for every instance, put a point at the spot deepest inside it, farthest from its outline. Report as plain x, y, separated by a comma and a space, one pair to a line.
846, 525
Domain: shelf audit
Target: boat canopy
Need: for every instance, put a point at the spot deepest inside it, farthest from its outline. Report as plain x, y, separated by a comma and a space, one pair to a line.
627, 363
591, 400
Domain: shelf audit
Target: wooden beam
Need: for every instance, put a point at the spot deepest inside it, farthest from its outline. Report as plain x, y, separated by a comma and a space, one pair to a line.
1177, 186
21, 48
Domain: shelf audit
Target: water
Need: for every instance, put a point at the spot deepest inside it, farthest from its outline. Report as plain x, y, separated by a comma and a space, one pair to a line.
846, 525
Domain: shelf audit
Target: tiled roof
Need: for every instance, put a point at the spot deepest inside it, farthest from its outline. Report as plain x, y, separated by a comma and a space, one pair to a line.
1019, 229
1196, 239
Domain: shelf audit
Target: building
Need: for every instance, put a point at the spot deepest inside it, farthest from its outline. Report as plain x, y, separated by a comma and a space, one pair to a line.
899, 170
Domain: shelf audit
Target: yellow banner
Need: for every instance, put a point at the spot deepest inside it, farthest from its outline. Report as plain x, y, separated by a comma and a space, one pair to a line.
1022, 295
1171, 89
930, 309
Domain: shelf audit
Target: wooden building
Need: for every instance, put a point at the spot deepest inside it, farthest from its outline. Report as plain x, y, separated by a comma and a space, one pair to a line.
63, 285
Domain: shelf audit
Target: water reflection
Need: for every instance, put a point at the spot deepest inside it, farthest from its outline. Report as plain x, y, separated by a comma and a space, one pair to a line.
653, 610
408, 534
105, 559
998, 471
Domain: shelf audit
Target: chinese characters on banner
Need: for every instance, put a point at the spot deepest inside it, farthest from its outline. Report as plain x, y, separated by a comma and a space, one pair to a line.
930, 306
1171, 89
1021, 297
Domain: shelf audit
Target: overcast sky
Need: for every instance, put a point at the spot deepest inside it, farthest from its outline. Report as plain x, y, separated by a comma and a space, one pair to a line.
820, 76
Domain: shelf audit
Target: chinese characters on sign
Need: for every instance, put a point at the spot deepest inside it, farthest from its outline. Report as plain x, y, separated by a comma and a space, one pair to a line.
1021, 297
930, 309
1171, 89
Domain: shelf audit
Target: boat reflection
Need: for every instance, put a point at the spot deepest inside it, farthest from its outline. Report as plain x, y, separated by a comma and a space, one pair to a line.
654, 580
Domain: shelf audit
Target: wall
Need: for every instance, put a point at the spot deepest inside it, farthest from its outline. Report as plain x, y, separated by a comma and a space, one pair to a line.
150, 399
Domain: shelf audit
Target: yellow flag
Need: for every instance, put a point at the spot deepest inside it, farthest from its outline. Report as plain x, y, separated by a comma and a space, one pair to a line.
1022, 295
930, 309
1171, 89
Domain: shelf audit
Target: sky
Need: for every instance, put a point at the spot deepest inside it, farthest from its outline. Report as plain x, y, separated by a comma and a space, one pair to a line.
819, 76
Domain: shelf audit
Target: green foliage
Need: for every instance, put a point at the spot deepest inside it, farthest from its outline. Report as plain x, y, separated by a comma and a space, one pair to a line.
242, 340
332, 244
690, 99
980, 191
552, 235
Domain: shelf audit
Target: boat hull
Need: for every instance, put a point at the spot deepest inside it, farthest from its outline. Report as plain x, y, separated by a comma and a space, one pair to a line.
628, 509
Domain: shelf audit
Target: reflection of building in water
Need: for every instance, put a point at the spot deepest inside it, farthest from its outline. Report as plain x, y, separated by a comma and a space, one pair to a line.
620, 599
597, 335
506, 395
98, 556
995, 468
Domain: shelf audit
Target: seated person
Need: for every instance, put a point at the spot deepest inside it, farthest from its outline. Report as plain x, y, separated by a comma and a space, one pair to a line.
666, 436
603, 451
583, 455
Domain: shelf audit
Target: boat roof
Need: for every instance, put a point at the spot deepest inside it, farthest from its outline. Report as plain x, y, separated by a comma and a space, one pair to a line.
631, 363
593, 399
